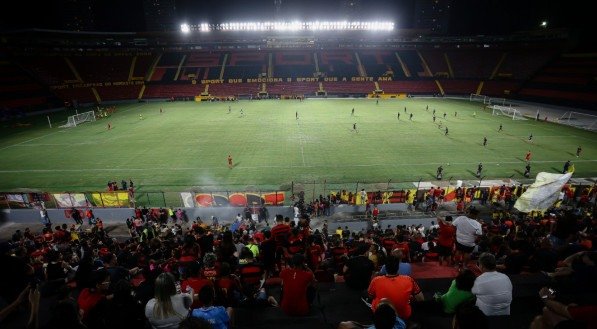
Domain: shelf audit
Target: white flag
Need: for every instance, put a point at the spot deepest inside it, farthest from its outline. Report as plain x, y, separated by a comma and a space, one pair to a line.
543, 193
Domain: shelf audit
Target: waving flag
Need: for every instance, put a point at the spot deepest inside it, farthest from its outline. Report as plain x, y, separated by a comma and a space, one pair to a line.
543, 193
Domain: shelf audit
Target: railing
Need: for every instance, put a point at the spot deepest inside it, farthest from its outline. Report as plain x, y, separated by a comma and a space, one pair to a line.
284, 195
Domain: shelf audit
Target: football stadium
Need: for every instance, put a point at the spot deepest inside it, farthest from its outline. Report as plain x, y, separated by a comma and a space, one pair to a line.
288, 164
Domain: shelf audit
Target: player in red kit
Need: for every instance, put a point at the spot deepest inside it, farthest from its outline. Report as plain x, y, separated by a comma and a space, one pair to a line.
527, 157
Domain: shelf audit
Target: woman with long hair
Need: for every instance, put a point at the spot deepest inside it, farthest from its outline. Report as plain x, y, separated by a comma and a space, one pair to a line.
168, 307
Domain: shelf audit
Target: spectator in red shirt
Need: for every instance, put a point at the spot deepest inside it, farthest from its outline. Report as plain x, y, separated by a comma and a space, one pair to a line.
195, 282
89, 297
445, 241
298, 285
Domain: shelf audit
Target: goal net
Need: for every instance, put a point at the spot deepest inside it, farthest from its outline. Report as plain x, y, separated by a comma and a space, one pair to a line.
77, 119
579, 120
507, 111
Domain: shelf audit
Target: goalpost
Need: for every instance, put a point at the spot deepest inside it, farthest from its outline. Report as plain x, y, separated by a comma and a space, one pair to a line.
508, 111
77, 119
579, 120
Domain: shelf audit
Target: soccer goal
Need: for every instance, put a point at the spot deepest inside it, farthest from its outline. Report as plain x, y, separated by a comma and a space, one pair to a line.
78, 119
508, 111
579, 120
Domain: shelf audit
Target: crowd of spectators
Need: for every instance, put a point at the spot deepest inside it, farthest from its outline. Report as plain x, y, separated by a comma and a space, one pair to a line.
169, 274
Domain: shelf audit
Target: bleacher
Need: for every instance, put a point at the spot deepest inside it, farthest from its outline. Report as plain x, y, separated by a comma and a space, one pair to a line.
102, 68
82, 95
521, 65
333, 88
337, 64
436, 62
18, 90
142, 65
292, 88
412, 61
567, 79
473, 64
424, 87
113, 93
234, 89
500, 88
246, 65
172, 90
380, 63
52, 70
503, 72
459, 87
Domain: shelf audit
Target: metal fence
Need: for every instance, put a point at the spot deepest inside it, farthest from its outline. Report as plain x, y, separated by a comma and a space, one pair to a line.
239, 196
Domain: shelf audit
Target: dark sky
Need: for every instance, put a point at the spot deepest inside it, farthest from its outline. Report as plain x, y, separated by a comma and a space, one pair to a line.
468, 17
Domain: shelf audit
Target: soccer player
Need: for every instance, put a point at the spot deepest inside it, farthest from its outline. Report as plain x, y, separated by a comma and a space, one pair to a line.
352, 113
140, 116
161, 110
474, 114
479, 169
527, 170
578, 151
531, 138
446, 132
433, 112
296, 114
229, 109
354, 127
229, 161
455, 114
434, 118
405, 109
410, 117
484, 141
500, 128
440, 172
110, 126
398, 116
242, 114
426, 107
377, 101
527, 157
444, 115
566, 167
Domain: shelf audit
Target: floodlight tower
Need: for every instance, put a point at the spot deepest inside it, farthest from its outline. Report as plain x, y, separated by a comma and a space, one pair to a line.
277, 8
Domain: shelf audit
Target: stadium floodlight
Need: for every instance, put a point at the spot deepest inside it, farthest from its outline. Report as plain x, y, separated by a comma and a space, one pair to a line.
185, 28
291, 26
544, 24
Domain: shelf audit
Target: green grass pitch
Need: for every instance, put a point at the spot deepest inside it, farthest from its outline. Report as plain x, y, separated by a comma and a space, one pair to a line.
187, 145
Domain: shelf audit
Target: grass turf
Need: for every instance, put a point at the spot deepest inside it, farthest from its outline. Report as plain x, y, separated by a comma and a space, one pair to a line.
187, 146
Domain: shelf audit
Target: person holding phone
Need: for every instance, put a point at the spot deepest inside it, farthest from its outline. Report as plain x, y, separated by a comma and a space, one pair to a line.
557, 314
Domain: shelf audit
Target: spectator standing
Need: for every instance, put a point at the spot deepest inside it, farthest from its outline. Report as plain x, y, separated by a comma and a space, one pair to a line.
297, 287
467, 231
358, 269
445, 241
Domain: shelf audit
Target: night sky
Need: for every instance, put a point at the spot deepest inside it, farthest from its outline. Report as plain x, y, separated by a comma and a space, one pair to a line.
468, 17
